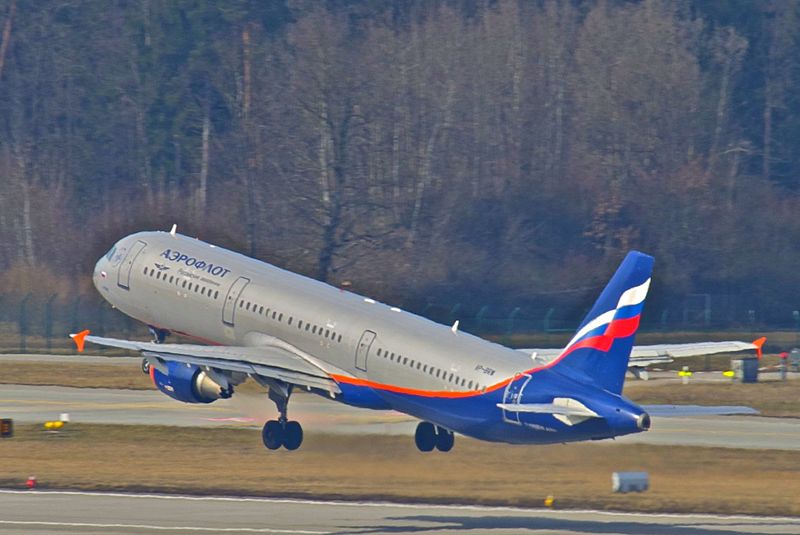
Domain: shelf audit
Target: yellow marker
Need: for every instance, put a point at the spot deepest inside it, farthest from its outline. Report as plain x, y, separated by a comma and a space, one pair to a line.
729, 373
53, 425
548, 502
683, 373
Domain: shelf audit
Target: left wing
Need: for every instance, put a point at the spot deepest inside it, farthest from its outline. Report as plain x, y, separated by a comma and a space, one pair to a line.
259, 361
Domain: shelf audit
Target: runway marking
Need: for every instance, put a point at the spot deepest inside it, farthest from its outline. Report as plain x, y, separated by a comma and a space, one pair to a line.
159, 528
400, 505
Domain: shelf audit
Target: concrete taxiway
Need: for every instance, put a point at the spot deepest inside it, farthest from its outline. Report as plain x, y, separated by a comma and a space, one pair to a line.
77, 512
37, 404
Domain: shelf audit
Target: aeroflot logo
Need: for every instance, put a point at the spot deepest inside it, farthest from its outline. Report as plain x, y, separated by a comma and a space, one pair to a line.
190, 261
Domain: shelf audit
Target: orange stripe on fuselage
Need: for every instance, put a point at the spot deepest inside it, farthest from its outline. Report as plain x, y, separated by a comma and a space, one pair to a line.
602, 343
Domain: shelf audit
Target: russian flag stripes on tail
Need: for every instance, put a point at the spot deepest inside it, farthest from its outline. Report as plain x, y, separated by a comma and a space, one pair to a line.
602, 345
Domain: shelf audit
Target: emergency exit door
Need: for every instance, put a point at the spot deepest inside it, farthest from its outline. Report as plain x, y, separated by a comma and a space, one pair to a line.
362, 350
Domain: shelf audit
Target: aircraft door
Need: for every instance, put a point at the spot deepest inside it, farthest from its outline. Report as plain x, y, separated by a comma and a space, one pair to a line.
362, 350
229, 307
513, 395
125, 268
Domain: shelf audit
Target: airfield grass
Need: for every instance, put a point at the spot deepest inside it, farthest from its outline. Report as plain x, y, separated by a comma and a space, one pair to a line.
771, 398
233, 462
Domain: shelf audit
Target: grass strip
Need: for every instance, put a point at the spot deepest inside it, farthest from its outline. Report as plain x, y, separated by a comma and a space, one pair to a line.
376, 467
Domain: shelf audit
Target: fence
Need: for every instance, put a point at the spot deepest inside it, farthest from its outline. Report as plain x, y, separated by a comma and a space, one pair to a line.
42, 324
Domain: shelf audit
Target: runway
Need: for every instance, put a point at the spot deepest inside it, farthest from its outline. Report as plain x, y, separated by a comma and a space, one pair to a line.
76, 512
36, 404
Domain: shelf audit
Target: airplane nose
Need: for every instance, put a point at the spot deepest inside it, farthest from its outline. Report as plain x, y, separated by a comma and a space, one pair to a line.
100, 272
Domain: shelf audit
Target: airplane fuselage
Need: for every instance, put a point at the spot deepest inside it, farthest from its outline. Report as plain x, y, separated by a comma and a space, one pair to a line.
381, 357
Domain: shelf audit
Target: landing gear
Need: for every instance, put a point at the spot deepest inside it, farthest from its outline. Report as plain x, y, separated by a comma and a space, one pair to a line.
429, 436
145, 367
281, 432
444, 439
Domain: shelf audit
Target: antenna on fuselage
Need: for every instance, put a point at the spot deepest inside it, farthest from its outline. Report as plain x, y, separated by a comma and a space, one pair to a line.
173, 230
454, 328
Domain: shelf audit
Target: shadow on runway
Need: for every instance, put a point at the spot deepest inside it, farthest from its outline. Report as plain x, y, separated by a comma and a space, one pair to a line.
481, 524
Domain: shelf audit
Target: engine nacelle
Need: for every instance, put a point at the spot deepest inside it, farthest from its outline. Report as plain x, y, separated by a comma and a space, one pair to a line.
188, 383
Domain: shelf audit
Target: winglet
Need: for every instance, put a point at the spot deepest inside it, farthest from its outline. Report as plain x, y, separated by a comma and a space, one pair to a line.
759, 346
80, 339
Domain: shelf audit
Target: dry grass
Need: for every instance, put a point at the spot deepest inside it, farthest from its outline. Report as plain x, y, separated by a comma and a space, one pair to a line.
773, 398
232, 461
75, 374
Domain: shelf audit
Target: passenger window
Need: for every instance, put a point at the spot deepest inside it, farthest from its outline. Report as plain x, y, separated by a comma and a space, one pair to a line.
379, 352
274, 314
405, 361
261, 309
340, 339
183, 284
216, 294
280, 317
308, 326
425, 368
202, 290
290, 320
314, 329
327, 333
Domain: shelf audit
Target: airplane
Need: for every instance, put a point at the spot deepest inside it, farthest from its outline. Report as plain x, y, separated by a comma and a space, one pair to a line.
289, 332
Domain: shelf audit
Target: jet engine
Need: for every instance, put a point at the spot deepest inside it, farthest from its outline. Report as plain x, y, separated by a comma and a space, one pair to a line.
190, 384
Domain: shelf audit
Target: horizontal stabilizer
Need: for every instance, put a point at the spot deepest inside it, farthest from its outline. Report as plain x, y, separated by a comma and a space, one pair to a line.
568, 410
666, 411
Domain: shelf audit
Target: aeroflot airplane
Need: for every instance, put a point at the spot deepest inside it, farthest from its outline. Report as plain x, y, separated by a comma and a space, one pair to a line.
286, 331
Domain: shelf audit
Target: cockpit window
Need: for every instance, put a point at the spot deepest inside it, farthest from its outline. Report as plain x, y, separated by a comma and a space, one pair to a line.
110, 254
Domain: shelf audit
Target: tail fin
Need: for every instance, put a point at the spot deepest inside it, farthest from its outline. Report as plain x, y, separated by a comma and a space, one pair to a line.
602, 345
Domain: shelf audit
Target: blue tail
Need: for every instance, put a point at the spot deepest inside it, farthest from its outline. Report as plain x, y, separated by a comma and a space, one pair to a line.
600, 349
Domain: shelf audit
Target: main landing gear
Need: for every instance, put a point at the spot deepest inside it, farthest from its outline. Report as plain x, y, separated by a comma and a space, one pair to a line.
281, 432
429, 436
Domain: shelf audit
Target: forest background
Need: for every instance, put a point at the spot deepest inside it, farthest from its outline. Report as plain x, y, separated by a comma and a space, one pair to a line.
500, 156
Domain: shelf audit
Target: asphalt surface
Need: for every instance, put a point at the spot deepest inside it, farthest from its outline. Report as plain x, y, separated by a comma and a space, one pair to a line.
76, 512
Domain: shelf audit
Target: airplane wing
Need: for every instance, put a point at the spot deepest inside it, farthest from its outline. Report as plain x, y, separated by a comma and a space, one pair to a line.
265, 362
642, 356
696, 410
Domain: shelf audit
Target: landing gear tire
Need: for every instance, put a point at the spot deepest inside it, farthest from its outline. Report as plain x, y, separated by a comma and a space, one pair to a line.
145, 367
293, 436
425, 436
444, 439
273, 435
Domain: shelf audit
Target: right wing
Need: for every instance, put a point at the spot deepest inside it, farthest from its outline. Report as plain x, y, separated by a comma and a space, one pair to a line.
272, 363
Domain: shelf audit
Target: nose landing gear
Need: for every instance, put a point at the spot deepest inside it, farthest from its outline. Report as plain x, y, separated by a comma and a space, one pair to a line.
428, 437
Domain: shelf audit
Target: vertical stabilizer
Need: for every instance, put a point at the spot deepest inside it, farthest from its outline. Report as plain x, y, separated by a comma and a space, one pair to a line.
602, 345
